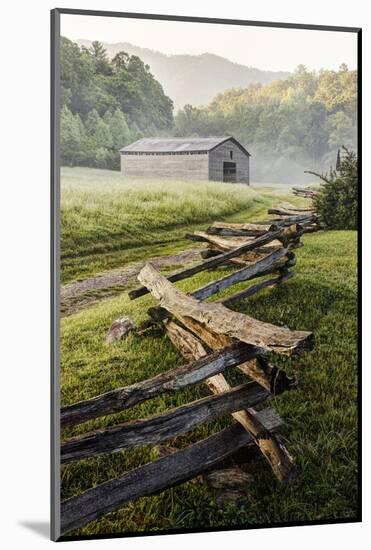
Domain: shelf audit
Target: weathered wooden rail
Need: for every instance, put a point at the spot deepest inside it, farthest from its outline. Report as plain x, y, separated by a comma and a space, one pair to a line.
304, 192
172, 380
212, 338
214, 262
160, 474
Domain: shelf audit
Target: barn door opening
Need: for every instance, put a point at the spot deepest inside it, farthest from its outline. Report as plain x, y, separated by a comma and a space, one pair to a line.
229, 172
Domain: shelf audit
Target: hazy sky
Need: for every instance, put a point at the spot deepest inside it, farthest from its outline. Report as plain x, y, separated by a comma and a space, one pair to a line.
261, 47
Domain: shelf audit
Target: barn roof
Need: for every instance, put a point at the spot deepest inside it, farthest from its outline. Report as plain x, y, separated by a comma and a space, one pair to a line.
178, 145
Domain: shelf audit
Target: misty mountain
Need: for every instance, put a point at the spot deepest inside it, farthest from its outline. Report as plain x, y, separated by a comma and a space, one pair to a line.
193, 79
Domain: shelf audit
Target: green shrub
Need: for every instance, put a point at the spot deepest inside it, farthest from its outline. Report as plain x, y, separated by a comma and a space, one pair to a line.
337, 200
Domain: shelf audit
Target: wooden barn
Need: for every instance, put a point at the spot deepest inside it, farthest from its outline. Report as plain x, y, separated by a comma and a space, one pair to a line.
211, 158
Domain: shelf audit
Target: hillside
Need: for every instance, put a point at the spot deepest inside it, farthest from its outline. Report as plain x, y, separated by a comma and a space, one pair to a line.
288, 126
193, 79
106, 104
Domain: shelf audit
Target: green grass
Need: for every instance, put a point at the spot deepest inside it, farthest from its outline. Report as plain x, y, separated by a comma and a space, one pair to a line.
321, 418
108, 221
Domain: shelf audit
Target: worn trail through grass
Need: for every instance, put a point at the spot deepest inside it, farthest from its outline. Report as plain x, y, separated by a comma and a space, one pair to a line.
81, 294
111, 226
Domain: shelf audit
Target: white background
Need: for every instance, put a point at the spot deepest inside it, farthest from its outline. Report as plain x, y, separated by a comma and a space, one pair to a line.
24, 250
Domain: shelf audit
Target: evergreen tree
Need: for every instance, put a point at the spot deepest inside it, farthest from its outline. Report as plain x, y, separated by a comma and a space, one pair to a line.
103, 158
71, 138
91, 122
101, 61
97, 136
107, 118
119, 130
103, 137
337, 200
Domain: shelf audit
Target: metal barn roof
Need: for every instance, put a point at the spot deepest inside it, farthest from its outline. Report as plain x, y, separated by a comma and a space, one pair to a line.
177, 145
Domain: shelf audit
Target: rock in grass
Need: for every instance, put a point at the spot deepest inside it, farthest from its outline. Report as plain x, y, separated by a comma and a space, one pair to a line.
119, 329
225, 498
229, 478
229, 484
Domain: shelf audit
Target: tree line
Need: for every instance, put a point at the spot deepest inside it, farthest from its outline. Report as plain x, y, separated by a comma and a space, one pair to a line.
288, 125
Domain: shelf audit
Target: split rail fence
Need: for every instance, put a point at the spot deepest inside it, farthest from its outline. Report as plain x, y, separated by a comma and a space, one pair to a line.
304, 192
212, 338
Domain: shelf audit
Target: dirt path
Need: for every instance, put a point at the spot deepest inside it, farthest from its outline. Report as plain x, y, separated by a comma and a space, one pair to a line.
82, 294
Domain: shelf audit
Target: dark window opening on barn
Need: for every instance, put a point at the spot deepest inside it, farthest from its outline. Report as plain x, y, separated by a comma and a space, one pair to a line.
229, 172
231, 155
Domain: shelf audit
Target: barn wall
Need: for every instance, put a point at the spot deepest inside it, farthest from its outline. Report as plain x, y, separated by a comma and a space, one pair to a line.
221, 154
193, 166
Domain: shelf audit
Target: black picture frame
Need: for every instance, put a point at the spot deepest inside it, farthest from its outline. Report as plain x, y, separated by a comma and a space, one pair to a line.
55, 264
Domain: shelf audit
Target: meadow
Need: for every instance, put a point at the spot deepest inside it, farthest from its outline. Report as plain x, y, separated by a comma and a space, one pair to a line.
320, 418
107, 221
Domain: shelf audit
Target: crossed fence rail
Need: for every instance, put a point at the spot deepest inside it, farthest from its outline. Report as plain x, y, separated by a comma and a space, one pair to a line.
212, 338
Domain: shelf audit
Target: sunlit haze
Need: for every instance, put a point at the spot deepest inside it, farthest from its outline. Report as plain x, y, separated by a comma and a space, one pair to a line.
261, 47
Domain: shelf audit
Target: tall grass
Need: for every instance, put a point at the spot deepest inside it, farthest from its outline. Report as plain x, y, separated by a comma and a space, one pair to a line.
104, 215
92, 207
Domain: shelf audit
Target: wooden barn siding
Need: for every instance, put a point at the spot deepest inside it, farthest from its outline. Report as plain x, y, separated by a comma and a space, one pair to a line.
221, 154
193, 166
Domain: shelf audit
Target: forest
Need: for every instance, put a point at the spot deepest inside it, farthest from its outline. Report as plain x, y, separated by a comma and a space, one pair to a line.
107, 103
288, 126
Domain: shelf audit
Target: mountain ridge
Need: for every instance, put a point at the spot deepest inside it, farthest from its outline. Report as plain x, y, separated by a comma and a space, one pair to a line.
193, 79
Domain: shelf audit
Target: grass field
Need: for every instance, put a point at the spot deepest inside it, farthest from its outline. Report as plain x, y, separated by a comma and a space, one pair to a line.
321, 418
108, 221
